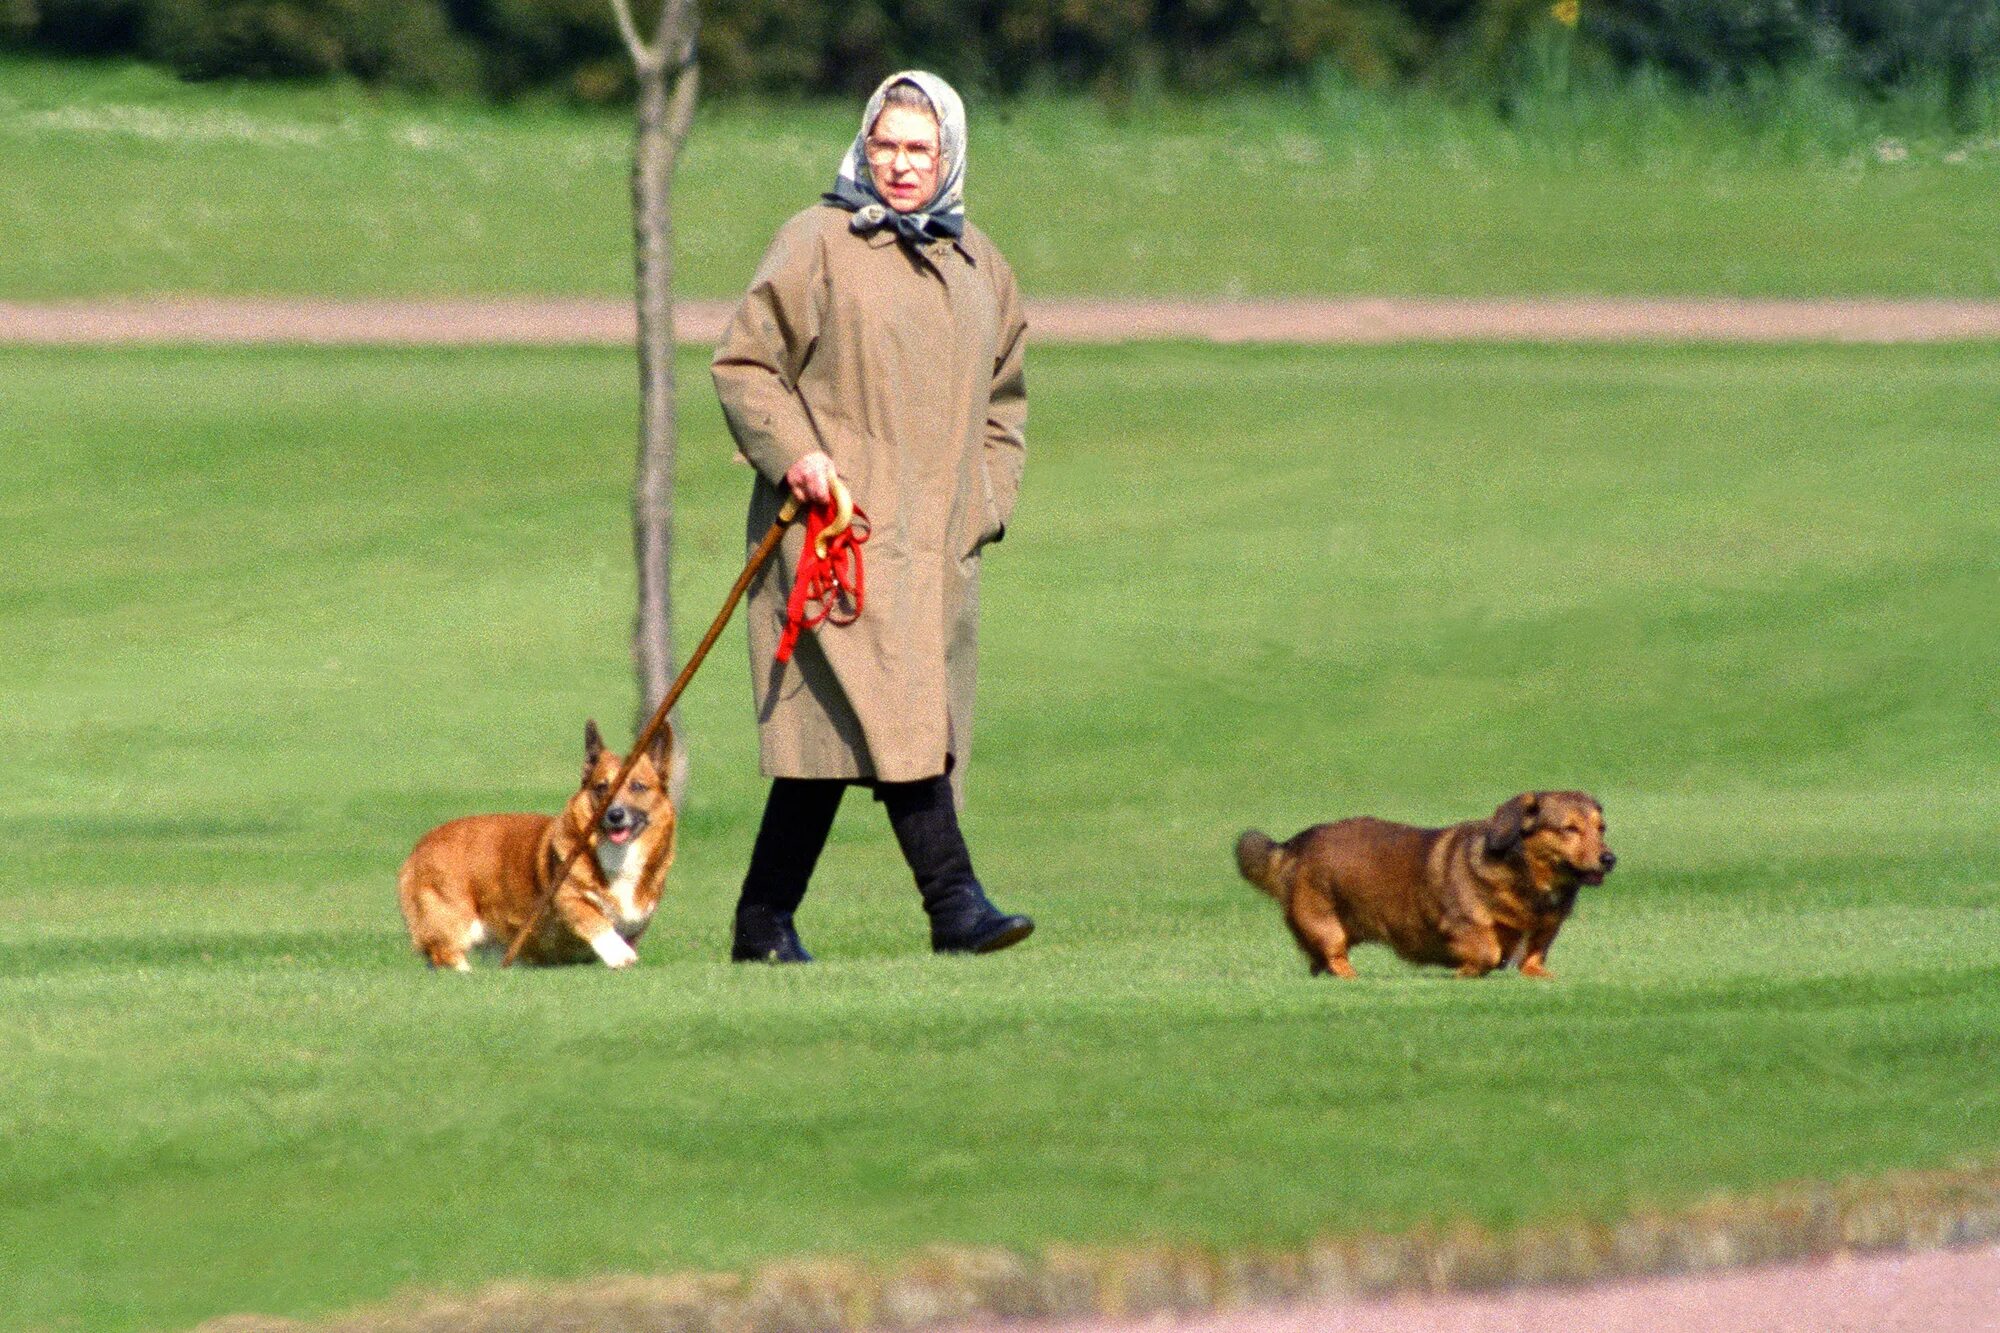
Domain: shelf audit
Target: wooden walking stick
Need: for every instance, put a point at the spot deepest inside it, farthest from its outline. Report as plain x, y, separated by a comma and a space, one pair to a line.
787, 514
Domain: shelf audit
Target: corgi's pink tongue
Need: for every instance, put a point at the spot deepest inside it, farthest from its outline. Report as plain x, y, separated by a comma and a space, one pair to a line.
619, 837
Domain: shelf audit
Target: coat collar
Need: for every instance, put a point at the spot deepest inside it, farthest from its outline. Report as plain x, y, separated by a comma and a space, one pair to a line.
935, 251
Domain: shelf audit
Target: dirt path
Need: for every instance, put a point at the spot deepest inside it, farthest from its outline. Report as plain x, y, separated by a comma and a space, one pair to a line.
1934, 1291
1946, 1291
1303, 320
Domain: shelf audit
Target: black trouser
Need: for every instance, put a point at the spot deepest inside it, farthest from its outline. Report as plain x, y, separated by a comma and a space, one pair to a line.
799, 813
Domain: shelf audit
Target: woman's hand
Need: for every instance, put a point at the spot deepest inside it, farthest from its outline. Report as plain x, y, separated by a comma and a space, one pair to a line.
811, 478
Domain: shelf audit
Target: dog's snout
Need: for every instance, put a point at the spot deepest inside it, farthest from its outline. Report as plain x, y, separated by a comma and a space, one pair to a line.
618, 816
1609, 859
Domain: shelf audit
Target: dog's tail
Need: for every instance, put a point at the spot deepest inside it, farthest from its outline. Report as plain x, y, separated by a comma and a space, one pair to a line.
1264, 863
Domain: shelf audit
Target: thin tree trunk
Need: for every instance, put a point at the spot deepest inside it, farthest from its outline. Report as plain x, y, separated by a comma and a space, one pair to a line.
665, 107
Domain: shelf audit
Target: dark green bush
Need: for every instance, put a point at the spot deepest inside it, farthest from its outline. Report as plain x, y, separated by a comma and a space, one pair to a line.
84, 27
380, 41
1885, 43
1110, 46
1875, 44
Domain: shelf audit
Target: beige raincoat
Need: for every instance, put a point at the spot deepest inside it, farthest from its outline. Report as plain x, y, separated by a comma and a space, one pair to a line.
904, 364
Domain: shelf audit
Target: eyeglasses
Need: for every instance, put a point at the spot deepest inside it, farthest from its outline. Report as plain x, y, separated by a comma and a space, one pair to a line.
881, 153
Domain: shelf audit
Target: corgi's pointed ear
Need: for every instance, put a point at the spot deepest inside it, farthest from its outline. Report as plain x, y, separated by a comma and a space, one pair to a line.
662, 747
593, 742
1513, 821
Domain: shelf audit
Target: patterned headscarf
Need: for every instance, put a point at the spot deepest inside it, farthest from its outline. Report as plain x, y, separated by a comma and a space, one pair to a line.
942, 216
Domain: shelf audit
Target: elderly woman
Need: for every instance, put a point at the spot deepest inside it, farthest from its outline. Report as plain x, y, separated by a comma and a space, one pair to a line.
880, 340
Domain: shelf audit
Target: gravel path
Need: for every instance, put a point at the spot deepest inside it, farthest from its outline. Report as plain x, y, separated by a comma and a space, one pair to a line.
1944, 1291
1299, 320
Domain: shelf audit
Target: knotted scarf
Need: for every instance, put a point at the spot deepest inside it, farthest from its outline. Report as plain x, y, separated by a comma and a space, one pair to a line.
942, 216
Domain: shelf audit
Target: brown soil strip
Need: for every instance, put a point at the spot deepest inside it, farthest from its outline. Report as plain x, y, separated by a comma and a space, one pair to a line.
1732, 1264
503, 320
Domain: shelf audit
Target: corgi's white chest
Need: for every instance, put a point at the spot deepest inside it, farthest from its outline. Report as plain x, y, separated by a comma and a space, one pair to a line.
622, 867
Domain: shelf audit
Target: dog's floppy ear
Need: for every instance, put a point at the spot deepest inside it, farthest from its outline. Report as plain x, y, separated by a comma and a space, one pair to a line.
662, 747
593, 744
1512, 822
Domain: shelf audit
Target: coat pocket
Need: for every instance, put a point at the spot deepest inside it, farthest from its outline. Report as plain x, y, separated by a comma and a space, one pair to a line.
991, 529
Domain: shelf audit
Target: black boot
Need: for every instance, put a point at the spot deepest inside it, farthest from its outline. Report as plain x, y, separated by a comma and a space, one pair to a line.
926, 824
972, 924
797, 817
765, 936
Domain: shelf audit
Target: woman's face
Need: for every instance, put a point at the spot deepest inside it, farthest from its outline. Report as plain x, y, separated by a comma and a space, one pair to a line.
903, 157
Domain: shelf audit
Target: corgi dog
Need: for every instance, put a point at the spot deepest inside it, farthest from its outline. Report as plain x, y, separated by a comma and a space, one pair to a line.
473, 883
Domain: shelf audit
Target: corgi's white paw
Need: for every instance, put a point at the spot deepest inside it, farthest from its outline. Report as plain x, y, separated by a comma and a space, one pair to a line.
613, 949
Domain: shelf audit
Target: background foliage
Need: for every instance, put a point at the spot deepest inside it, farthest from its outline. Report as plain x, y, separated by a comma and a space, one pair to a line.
1121, 48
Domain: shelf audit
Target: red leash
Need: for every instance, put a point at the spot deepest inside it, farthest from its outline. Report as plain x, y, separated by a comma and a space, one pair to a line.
828, 585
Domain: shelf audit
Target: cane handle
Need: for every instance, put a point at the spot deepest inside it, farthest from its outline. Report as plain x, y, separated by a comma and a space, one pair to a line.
843, 516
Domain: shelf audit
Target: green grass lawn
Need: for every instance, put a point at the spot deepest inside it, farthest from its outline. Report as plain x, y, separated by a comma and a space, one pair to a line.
121, 180
268, 615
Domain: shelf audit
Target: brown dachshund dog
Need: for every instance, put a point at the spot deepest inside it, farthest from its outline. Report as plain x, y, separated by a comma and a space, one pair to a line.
1477, 895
